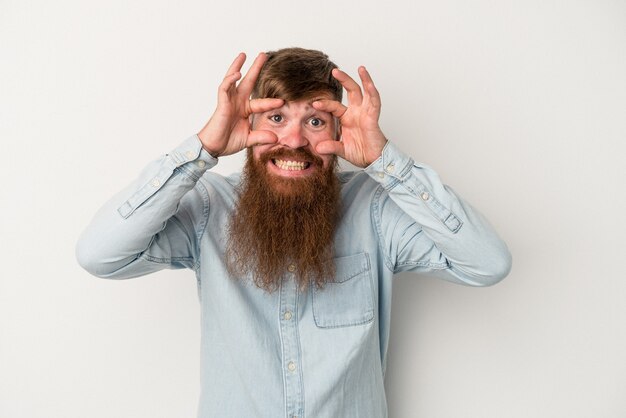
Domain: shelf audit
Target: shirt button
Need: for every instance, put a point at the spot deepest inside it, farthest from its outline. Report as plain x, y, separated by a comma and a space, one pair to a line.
287, 315
155, 182
425, 196
390, 168
381, 175
291, 268
291, 366
201, 164
190, 154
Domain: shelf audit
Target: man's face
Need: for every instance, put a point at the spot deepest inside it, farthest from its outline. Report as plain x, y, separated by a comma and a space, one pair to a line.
299, 128
290, 201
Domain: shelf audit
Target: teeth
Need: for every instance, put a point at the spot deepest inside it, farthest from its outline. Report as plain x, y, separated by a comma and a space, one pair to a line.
291, 165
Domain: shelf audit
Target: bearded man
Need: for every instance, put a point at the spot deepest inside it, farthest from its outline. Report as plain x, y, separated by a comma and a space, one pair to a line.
294, 260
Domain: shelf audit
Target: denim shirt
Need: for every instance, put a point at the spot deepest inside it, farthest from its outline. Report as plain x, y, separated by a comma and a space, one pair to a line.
293, 353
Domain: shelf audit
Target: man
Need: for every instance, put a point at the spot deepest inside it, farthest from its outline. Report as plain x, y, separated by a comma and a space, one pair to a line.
294, 260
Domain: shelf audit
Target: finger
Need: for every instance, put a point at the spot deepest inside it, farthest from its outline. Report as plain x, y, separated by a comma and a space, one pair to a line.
355, 96
237, 64
330, 147
368, 86
227, 84
331, 106
261, 137
247, 84
263, 105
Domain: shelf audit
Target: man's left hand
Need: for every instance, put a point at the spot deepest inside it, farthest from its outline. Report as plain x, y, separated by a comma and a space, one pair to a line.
362, 140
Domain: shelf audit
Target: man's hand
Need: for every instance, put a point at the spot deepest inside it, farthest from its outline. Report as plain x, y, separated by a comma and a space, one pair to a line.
228, 130
362, 141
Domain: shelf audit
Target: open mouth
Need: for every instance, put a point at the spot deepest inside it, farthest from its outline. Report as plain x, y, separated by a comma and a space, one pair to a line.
291, 165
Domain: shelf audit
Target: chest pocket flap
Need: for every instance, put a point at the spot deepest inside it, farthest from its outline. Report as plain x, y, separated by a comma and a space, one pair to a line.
349, 300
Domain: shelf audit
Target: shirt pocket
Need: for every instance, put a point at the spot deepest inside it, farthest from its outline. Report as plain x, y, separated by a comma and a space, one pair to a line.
347, 301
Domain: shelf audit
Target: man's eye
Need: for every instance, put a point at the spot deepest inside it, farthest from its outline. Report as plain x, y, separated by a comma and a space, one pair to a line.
316, 122
276, 118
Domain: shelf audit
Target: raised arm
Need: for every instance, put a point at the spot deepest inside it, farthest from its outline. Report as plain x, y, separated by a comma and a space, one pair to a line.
422, 224
156, 222
150, 225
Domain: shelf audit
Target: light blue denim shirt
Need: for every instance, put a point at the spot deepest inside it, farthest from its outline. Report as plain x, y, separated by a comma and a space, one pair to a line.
291, 353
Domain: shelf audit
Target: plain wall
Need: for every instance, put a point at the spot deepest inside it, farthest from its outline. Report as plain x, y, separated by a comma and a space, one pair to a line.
519, 105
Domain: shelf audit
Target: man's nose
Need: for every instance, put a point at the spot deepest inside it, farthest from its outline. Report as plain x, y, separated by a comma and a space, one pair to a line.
293, 137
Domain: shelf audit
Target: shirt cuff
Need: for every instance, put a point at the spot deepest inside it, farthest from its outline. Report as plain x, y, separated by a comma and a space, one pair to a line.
191, 151
392, 167
419, 184
189, 158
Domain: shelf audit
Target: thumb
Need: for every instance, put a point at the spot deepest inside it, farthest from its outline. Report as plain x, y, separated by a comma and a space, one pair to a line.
261, 137
331, 147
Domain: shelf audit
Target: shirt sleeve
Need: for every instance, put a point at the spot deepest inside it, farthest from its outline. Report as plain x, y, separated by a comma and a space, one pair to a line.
155, 222
425, 226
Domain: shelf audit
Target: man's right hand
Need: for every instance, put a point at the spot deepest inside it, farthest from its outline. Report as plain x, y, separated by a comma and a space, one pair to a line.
228, 130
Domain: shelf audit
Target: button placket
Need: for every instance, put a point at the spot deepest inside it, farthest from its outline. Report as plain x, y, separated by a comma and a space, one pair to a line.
290, 341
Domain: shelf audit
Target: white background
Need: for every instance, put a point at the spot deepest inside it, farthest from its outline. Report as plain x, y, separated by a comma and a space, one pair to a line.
519, 105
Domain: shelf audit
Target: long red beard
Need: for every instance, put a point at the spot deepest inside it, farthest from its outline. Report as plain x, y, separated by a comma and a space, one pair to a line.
280, 222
